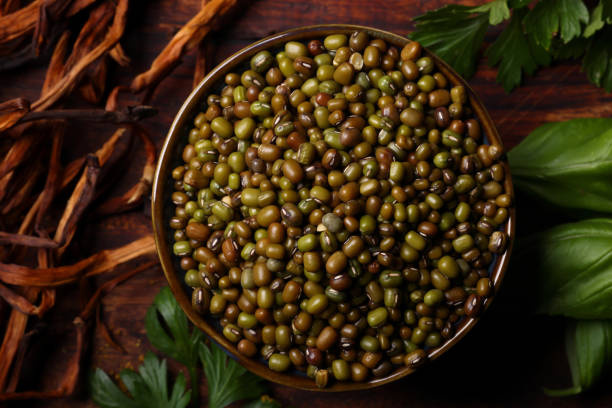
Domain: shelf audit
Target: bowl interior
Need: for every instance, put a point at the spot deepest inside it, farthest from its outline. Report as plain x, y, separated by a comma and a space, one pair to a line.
163, 208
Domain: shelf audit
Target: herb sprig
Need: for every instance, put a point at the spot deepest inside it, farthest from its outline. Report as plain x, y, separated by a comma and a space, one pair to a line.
552, 30
168, 331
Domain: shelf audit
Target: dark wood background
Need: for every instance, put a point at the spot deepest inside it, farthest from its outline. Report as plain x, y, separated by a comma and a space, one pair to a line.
504, 361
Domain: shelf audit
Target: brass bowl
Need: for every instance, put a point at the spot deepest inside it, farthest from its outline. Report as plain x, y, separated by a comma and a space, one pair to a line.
163, 208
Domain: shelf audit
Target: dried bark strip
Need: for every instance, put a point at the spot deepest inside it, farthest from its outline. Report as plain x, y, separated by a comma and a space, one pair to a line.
25, 183
53, 181
91, 34
77, 203
17, 301
56, 64
127, 115
47, 12
24, 343
26, 240
23, 21
188, 37
72, 77
199, 71
94, 84
114, 257
13, 158
20, 23
15, 329
101, 262
13, 274
135, 195
119, 55
11, 111
71, 375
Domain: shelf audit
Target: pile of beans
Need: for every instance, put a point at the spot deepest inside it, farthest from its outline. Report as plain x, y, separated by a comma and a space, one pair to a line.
338, 209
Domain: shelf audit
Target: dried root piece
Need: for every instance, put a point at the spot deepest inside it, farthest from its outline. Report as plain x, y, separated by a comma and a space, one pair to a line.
26, 240
71, 78
135, 195
99, 263
78, 202
127, 115
11, 111
186, 39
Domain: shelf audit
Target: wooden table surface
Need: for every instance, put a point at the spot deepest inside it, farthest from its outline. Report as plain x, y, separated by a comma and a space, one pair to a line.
504, 361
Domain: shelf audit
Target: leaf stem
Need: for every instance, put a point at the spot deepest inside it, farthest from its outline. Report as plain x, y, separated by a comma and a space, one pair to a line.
195, 385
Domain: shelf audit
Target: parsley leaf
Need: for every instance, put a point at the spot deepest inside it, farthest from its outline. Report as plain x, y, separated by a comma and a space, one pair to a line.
596, 21
148, 387
179, 343
572, 50
597, 61
455, 33
498, 11
515, 53
549, 17
227, 380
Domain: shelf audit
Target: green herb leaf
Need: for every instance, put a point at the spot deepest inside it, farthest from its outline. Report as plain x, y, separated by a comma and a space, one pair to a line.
596, 21
515, 53
227, 380
572, 50
567, 164
455, 33
549, 17
588, 345
572, 268
148, 387
498, 11
179, 343
597, 61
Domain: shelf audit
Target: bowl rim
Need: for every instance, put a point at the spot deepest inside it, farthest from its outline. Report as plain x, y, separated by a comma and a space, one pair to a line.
175, 133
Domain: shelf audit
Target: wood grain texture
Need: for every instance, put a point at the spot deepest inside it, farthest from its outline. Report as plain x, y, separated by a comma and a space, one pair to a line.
503, 362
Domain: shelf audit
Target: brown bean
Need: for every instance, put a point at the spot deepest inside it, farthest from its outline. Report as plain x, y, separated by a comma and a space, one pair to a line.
293, 171
336, 263
327, 338
473, 304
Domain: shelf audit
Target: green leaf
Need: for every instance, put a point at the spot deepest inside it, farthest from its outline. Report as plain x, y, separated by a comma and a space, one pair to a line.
498, 11
454, 33
550, 17
588, 345
572, 50
179, 343
148, 387
515, 54
168, 331
597, 61
596, 21
567, 164
571, 268
227, 380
